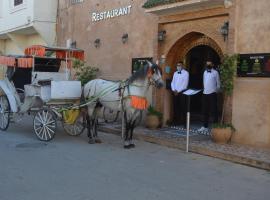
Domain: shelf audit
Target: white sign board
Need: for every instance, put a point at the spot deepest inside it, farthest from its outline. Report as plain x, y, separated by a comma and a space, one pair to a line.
99, 16
190, 92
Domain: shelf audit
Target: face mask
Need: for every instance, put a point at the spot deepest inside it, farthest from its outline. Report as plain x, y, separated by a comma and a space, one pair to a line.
208, 66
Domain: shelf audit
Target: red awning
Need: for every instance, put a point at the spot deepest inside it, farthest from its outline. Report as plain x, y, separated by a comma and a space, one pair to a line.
8, 61
25, 62
70, 54
36, 50
61, 53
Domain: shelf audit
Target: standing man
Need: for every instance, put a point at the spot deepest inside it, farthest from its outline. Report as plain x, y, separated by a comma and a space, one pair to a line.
211, 85
178, 85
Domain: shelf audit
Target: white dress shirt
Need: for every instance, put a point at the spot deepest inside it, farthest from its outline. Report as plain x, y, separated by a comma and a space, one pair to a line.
211, 81
180, 80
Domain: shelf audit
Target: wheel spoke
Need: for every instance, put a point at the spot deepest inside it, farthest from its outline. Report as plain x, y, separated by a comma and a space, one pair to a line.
39, 132
39, 118
49, 129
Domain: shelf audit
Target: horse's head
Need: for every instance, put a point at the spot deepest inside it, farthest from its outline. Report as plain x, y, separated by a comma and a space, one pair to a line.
155, 75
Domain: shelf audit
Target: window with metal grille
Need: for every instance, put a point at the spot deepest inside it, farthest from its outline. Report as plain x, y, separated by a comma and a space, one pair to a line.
76, 1
18, 2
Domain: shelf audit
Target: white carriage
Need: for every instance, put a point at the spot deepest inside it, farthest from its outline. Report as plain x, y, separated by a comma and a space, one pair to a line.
41, 85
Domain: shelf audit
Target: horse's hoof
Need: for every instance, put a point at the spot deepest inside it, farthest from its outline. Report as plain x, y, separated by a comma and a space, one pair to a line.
126, 146
132, 145
91, 141
97, 140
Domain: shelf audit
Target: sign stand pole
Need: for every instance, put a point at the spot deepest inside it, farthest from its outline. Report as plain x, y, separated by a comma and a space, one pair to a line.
188, 123
189, 93
123, 125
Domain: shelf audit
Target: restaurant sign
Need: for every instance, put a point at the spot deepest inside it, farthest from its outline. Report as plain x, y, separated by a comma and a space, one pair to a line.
254, 65
109, 14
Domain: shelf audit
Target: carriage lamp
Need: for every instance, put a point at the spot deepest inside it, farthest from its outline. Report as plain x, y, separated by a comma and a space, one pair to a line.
224, 30
125, 38
73, 44
161, 35
97, 43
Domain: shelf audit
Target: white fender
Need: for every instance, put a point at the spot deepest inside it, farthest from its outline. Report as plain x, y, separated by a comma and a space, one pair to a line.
9, 89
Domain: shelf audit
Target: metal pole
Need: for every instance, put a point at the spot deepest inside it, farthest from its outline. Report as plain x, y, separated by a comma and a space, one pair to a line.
123, 125
188, 123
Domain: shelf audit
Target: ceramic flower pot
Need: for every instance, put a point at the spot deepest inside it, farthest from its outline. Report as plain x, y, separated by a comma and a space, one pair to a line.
221, 135
152, 121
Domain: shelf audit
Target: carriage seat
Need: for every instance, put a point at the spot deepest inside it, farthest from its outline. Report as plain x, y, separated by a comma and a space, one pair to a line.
44, 82
45, 77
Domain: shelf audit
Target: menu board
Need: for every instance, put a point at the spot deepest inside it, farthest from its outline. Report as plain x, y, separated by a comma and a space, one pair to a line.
138, 63
254, 65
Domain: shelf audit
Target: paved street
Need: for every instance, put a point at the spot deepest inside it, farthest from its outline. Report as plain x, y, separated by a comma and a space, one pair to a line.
70, 169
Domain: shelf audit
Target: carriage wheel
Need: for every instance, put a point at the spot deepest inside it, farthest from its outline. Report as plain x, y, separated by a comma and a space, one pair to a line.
75, 129
4, 113
45, 125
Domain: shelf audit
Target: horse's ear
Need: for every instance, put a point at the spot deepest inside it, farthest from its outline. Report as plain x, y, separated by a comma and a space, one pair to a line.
149, 63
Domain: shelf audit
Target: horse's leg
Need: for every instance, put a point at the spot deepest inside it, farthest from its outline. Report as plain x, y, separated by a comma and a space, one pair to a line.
131, 143
127, 127
137, 120
89, 130
95, 131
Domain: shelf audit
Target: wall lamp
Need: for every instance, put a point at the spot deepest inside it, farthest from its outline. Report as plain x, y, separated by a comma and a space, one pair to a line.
97, 43
161, 35
125, 38
224, 30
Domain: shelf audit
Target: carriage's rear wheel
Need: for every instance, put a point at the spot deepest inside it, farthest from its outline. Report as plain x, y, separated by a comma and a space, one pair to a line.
45, 125
4, 113
75, 129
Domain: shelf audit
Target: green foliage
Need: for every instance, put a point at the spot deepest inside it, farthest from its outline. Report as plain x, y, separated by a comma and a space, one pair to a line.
153, 3
227, 73
222, 125
84, 73
152, 111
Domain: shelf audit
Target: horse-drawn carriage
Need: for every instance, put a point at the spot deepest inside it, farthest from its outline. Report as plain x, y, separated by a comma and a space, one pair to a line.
40, 83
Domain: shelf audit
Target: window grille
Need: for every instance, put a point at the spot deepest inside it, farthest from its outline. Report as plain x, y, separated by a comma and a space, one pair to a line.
76, 1
18, 2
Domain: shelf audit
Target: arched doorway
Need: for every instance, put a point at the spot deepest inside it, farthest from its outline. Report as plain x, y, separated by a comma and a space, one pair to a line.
195, 63
194, 49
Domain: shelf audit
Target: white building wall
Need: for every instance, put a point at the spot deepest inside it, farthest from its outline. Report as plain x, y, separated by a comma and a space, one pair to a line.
14, 18
33, 22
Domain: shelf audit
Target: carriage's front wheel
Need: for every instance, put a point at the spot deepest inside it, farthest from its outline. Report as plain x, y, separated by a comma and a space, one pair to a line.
45, 125
4, 113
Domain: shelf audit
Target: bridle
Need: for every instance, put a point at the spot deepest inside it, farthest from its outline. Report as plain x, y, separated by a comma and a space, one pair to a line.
152, 81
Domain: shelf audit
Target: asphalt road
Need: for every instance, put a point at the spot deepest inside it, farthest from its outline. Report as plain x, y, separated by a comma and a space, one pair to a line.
69, 168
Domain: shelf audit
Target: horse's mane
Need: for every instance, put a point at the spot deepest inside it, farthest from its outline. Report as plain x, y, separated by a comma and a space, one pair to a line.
140, 74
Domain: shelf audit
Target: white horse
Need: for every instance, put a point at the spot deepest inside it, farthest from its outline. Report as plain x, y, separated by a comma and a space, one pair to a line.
128, 96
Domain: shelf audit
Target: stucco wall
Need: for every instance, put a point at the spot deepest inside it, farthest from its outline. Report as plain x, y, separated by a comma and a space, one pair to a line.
251, 99
112, 57
251, 111
2, 47
20, 42
11, 48
253, 26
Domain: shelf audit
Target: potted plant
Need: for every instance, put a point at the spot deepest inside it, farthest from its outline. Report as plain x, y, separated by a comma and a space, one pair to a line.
153, 118
83, 72
222, 132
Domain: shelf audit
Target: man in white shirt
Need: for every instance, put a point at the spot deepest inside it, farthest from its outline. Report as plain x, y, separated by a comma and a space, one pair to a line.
178, 85
211, 85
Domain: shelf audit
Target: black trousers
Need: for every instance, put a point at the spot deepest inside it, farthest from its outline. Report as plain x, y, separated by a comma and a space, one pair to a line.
180, 109
209, 107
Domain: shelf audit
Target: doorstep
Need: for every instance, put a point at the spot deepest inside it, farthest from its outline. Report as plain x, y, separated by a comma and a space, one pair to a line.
201, 144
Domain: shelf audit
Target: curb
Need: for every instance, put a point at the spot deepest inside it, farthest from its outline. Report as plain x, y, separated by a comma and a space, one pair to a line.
195, 149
